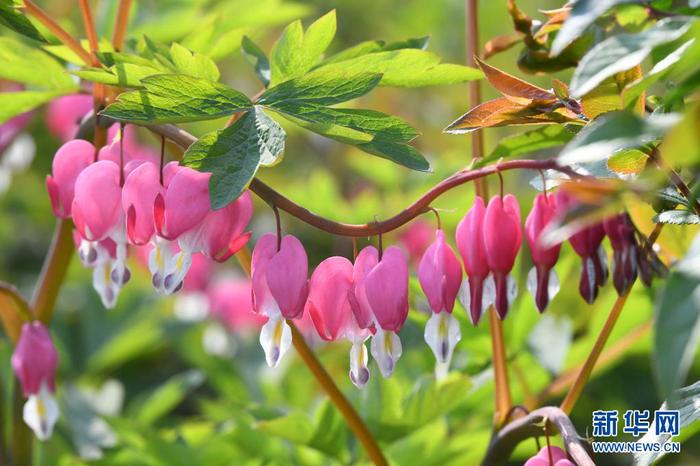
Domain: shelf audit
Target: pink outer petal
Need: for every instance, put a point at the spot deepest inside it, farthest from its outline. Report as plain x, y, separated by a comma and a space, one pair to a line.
138, 198
328, 302
229, 301
35, 358
542, 214
63, 115
387, 290
416, 238
365, 261
537, 461
70, 159
557, 453
200, 273
97, 203
440, 274
185, 204
287, 277
470, 241
265, 248
502, 233
222, 230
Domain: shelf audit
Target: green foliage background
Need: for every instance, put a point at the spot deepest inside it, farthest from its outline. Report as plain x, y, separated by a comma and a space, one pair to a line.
182, 406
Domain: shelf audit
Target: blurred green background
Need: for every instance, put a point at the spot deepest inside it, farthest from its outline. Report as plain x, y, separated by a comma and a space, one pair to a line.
139, 386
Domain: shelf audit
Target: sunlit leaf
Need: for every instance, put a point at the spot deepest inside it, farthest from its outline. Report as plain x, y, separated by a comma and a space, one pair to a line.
628, 162
528, 142
168, 395
15, 103
677, 217
20, 63
257, 58
12, 18
514, 88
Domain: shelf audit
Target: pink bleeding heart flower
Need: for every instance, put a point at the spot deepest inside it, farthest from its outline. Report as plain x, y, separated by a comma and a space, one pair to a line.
98, 214
219, 236
64, 114
34, 362
620, 231
329, 307
440, 276
381, 290
139, 193
502, 237
542, 280
588, 245
70, 160
12, 128
280, 289
549, 456
230, 303
477, 292
415, 239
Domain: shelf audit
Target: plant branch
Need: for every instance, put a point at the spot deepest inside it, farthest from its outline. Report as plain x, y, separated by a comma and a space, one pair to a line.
676, 179
268, 194
14, 310
53, 271
62, 35
585, 372
121, 24
355, 422
531, 425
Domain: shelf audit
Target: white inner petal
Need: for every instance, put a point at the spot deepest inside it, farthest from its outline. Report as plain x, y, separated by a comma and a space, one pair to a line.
103, 284
275, 338
41, 413
489, 294
386, 350
359, 372
512, 289
442, 334
464, 296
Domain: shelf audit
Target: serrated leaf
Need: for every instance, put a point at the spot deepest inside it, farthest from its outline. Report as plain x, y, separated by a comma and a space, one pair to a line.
16, 103
582, 15
622, 52
612, 132
405, 68
528, 142
121, 74
677, 217
13, 19
370, 122
322, 88
677, 322
233, 154
20, 63
258, 59
176, 98
295, 53
505, 112
357, 50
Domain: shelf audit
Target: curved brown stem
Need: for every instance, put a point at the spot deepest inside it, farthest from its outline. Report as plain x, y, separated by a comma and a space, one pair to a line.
14, 310
268, 194
121, 24
504, 442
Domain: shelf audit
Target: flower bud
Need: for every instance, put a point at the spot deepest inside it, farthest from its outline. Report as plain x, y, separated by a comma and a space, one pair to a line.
542, 279
620, 231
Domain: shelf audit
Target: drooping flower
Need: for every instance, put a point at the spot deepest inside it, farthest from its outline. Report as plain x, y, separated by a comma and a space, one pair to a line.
34, 362
101, 257
440, 276
542, 280
219, 235
415, 239
64, 114
139, 193
588, 245
549, 456
230, 303
280, 289
620, 231
97, 211
329, 307
70, 160
502, 237
476, 294
380, 297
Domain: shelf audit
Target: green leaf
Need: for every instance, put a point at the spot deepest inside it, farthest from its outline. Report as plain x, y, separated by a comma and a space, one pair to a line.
193, 64
622, 52
258, 59
403, 154
405, 68
10, 17
583, 14
612, 132
166, 397
295, 53
172, 98
234, 154
677, 217
677, 322
322, 88
371, 122
20, 63
528, 142
121, 74
16, 103
628, 161
684, 400
295, 427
